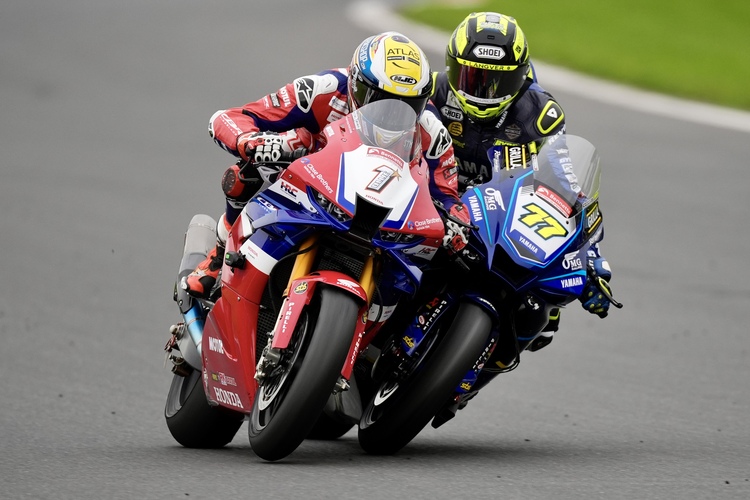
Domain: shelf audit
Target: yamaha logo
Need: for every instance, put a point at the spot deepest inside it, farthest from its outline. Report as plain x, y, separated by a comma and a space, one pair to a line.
488, 52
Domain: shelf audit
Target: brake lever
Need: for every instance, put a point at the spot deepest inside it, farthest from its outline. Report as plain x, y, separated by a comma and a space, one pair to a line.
602, 285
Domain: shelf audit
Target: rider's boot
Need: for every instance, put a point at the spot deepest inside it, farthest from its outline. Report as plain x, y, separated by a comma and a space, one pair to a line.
201, 281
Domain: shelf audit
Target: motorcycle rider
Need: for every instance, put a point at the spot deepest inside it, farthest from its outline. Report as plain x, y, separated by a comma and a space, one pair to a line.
384, 66
489, 96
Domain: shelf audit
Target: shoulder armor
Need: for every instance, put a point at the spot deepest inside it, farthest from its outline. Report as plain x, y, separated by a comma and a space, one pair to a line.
440, 141
550, 118
307, 88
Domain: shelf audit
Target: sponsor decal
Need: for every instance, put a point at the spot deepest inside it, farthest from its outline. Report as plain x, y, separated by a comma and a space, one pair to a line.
310, 169
476, 209
421, 251
592, 215
452, 113
450, 172
493, 198
385, 154
489, 52
227, 380
287, 315
265, 204
402, 54
404, 79
285, 97
352, 285
525, 242
275, 101
227, 397
571, 282
419, 225
572, 262
555, 200
339, 105
515, 157
230, 123
409, 341
434, 309
215, 345
513, 131
384, 175
289, 189
455, 129
301, 288
542, 222
223, 379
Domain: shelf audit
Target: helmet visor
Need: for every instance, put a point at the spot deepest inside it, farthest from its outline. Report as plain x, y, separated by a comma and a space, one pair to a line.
362, 94
486, 87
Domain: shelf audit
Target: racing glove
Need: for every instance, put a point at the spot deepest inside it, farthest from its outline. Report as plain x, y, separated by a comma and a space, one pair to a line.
592, 299
456, 233
265, 147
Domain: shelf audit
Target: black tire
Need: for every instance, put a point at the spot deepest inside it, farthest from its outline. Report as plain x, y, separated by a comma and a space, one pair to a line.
328, 428
405, 408
192, 421
288, 404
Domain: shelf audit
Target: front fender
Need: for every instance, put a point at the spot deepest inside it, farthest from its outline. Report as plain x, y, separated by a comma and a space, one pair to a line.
300, 294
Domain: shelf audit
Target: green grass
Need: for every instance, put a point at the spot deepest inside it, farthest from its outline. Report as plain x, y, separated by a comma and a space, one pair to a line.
696, 49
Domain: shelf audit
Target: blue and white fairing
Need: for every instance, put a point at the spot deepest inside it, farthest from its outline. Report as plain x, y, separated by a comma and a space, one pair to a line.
528, 216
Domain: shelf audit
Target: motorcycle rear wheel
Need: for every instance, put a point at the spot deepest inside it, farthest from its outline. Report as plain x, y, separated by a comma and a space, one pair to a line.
192, 421
402, 408
288, 404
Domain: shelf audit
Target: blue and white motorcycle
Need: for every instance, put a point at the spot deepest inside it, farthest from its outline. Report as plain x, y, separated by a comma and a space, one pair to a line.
533, 224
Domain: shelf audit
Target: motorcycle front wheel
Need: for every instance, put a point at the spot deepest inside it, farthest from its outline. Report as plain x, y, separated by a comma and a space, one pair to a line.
401, 408
290, 400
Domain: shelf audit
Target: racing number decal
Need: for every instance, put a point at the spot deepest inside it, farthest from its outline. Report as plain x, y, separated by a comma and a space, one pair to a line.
543, 223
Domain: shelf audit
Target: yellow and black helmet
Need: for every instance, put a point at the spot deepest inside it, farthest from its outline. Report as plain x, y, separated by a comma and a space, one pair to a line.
487, 61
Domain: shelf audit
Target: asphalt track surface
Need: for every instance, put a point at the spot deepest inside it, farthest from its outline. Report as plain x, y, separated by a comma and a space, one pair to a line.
104, 159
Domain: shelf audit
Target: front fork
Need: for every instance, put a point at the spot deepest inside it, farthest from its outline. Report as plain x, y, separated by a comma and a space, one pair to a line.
301, 285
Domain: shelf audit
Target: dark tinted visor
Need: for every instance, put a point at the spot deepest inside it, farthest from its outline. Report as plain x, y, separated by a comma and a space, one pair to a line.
485, 86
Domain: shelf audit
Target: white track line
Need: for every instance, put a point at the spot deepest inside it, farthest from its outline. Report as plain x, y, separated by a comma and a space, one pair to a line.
376, 17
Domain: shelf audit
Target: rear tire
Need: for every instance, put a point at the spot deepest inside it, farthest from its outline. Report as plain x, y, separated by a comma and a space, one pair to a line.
400, 410
192, 421
288, 404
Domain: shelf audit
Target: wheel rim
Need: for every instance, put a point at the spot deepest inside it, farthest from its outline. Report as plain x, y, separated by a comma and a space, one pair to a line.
272, 389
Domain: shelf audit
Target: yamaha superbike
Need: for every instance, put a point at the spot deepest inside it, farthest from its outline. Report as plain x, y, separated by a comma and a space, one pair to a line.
533, 223
314, 266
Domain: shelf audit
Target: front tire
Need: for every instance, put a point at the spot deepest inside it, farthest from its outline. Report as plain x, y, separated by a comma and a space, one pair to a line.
289, 403
192, 421
401, 409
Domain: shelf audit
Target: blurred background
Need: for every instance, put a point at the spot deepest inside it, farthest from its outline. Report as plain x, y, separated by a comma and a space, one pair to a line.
106, 157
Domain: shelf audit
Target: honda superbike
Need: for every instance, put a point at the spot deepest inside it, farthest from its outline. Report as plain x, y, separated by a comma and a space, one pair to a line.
314, 266
527, 256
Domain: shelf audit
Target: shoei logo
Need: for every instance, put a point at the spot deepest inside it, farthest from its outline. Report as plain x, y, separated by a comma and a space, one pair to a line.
489, 52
